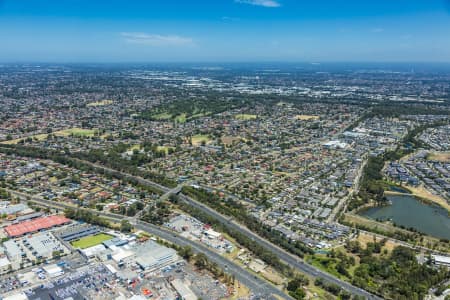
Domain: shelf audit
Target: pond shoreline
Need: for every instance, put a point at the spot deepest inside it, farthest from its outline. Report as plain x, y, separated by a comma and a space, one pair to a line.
421, 199
409, 211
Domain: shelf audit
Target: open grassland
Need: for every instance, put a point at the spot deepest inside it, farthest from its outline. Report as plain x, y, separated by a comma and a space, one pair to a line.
245, 117
100, 103
364, 238
369, 223
90, 241
324, 263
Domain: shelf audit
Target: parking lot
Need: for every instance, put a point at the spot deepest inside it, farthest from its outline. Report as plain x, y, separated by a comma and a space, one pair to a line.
77, 285
203, 286
9, 283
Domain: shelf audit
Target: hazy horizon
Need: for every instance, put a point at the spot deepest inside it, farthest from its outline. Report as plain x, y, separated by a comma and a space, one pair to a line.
224, 31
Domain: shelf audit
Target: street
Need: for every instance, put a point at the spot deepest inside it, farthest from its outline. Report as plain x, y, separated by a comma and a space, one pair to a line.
256, 284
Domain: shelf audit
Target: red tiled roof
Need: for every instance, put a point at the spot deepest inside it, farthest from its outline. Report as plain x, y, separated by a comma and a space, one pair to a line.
35, 225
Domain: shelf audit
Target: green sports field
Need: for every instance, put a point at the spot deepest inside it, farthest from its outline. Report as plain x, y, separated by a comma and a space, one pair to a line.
91, 240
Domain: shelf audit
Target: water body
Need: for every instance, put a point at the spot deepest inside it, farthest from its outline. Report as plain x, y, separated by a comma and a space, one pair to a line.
408, 211
399, 190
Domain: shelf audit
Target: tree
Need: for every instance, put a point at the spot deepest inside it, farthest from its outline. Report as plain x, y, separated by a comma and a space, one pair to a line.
186, 252
56, 254
298, 294
344, 295
125, 226
201, 261
297, 282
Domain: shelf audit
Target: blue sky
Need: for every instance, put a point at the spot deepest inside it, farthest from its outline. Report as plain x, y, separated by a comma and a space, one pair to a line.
224, 30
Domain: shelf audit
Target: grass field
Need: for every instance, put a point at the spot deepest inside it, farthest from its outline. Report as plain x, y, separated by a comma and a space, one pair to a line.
181, 118
162, 116
306, 117
100, 103
164, 148
245, 117
78, 132
91, 240
356, 219
324, 263
200, 138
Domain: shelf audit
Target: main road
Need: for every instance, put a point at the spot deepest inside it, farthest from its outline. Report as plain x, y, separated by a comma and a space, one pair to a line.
282, 254
257, 285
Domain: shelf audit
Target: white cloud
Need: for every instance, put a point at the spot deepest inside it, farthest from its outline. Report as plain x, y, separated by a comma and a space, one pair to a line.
265, 3
406, 36
377, 30
156, 39
230, 19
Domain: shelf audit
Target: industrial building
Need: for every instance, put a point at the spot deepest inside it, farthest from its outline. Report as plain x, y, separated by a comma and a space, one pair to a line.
151, 255
30, 249
35, 225
77, 231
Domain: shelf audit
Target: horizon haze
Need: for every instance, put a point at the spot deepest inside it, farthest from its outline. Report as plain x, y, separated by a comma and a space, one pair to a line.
224, 31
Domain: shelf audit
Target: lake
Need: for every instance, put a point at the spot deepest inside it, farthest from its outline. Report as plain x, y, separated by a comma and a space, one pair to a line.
408, 211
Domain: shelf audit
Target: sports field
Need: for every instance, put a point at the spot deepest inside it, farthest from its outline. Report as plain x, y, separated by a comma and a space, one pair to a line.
245, 117
306, 117
99, 103
91, 240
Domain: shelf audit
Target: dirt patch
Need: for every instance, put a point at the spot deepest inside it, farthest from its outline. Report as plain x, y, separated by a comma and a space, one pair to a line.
228, 140
272, 276
439, 156
365, 238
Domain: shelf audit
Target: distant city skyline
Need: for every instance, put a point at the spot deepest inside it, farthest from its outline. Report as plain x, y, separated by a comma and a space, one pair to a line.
225, 31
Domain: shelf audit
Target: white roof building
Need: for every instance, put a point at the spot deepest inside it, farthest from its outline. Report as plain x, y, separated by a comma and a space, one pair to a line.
53, 270
183, 290
441, 260
5, 265
93, 251
18, 296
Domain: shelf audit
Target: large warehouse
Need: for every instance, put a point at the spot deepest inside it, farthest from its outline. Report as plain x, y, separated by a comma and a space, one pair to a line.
35, 225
